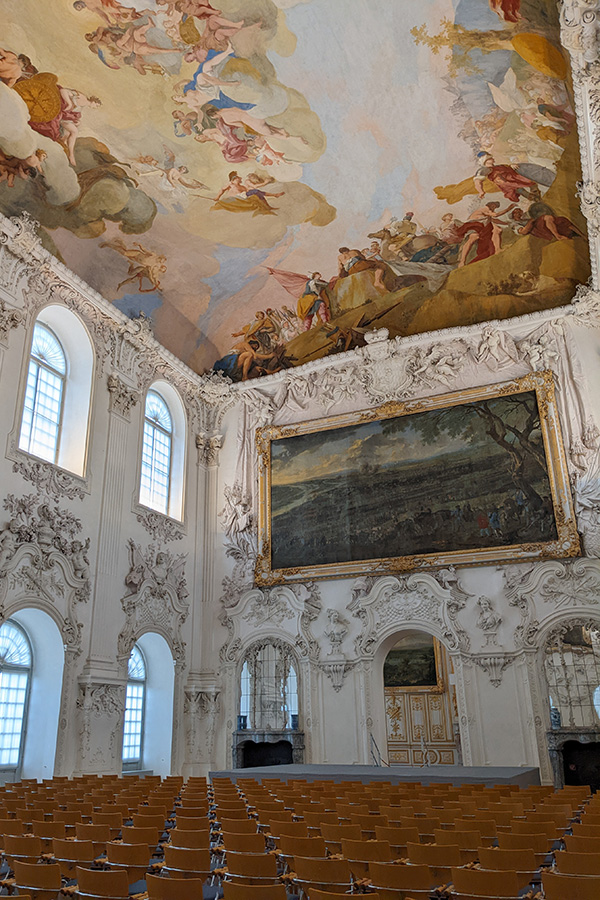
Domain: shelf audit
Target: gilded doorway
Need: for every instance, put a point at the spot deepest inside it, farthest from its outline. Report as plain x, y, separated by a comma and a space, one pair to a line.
418, 702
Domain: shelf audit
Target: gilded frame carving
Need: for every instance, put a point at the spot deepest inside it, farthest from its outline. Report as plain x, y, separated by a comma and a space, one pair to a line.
437, 688
566, 543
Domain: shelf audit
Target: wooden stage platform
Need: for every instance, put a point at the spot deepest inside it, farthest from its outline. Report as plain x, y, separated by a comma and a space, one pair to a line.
489, 775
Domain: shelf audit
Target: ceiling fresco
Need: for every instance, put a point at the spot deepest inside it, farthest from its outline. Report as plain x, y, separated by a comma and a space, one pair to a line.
269, 179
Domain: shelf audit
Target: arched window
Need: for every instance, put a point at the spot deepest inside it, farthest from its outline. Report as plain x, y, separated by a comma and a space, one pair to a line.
135, 701
44, 394
269, 688
57, 393
162, 470
15, 673
155, 484
572, 666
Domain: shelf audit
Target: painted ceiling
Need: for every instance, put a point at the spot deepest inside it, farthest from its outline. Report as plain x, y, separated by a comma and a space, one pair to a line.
269, 179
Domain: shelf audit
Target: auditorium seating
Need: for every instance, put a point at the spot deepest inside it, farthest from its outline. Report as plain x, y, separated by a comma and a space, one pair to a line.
104, 837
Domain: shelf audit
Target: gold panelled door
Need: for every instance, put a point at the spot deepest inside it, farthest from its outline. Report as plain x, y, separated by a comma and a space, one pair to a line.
418, 703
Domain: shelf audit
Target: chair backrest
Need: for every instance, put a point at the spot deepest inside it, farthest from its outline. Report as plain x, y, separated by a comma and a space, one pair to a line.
244, 843
232, 891
585, 830
466, 840
83, 851
486, 883
185, 859
85, 832
329, 895
338, 833
190, 839
173, 888
112, 883
539, 843
581, 844
293, 829
132, 835
322, 871
302, 846
30, 875
511, 860
241, 826
252, 865
367, 851
49, 829
22, 845
128, 854
442, 855
570, 862
570, 887
409, 878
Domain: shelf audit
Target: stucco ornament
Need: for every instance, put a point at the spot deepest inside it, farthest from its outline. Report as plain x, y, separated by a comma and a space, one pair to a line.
488, 620
580, 29
156, 599
122, 397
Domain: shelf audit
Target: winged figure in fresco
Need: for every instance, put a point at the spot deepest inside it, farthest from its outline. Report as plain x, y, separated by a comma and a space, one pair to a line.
311, 293
143, 265
171, 174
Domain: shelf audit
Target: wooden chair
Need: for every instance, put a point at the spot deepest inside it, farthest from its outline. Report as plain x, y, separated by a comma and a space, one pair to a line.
397, 837
539, 843
233, 891
570, 887
244, 843
70, 854
439, 857
584, 830
521, 861
161, 888
322, 874
485, 883
361, 853
581, 844
185, 862
191, 840
110, 885
250, 868
240, 826
570, 862
388, 880
41, 882
98, 834
133, 857
25, 848
132, 835
290, 846
333, 835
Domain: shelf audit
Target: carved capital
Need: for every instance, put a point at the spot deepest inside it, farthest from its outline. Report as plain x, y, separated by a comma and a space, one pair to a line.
208, 446
580, 29
122, 397
493, 666
9, 319
336, 672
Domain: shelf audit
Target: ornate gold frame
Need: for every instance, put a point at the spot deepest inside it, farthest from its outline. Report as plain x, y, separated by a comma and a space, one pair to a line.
566, 545
437, 688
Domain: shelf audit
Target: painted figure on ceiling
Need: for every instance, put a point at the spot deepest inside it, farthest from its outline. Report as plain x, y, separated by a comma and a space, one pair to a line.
143, 265
482, 230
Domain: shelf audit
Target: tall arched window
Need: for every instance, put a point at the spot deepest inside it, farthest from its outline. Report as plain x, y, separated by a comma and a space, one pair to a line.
135, 701
54, 413
15, 673
269, 687
155, 484
44, 394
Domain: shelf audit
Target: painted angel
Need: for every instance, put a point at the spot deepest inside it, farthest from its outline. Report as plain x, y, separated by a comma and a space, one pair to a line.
143, 265
171, 174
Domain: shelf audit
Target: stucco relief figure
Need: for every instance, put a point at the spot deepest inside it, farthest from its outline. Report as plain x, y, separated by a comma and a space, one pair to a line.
336, 631
159, 570
79, 560
488, 620
238, 522
9, 541
45, 531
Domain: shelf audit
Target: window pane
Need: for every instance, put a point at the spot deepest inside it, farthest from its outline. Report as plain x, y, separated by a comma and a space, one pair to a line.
156, 468
132, 728
43, 397
136, 666
157, 411
46, 348
14, 647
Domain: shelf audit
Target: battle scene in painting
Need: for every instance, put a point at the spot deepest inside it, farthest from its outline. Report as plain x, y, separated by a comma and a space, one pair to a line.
267, 180
460, 478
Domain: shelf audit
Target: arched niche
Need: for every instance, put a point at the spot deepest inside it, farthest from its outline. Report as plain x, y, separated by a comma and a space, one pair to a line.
160, 685
413, 689
45, 692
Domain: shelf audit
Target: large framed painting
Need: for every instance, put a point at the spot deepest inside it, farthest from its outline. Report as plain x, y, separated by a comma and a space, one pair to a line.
469, 478
414, 664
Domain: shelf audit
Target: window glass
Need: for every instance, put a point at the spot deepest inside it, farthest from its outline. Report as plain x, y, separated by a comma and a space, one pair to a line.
156, 454
42, 409
15, 669
133, 726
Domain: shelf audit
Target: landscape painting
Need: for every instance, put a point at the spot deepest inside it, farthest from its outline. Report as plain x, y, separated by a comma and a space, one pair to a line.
412, 663
267, 180
398, 488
